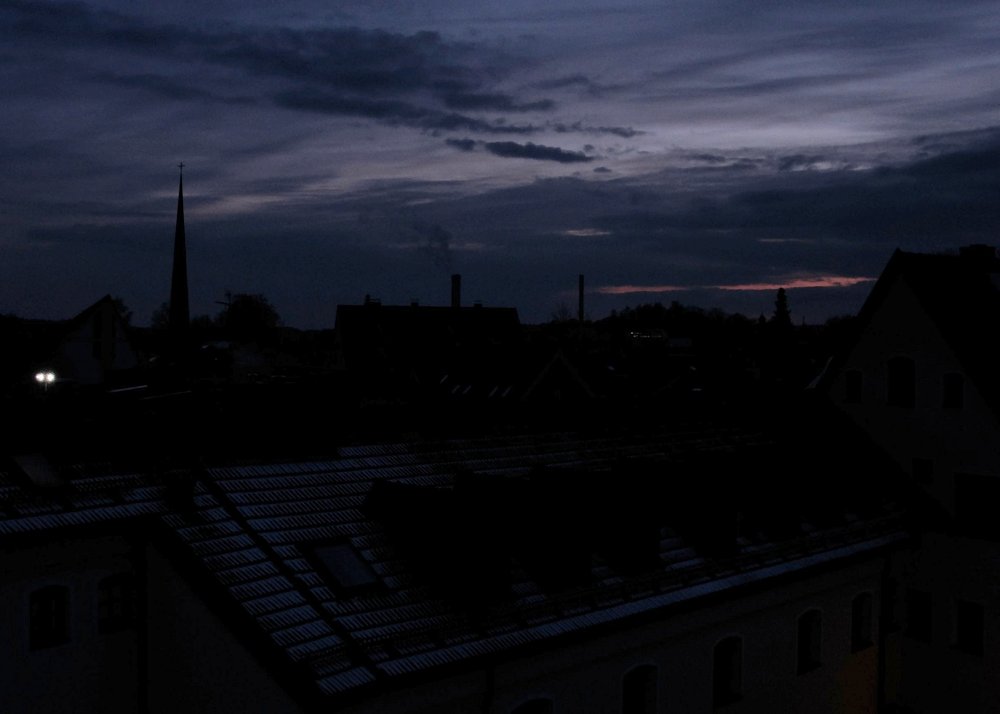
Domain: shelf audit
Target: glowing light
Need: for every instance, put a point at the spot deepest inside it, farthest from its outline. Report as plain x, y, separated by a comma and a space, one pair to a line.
45, 377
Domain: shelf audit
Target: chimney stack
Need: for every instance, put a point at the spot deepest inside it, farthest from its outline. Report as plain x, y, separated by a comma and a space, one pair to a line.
456, 291
580, 315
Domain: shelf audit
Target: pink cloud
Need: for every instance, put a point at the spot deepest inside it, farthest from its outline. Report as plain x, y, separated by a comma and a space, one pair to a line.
823, 281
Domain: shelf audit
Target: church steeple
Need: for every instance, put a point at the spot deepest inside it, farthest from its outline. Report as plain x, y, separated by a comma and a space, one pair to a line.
179, 313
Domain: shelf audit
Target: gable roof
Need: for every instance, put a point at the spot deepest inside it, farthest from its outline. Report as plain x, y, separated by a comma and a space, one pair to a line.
960, 294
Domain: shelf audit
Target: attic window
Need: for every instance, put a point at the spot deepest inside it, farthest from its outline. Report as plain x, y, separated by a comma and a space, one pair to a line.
901, 382
343, 568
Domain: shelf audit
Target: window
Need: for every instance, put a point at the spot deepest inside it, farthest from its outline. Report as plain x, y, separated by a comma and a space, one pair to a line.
727, 672
49, 617
923, 470
918, 615
954, 391
639, 690
861, 622
535, 706
900, 382
810, 640
116, 603
343, 568
969, 627
853, 383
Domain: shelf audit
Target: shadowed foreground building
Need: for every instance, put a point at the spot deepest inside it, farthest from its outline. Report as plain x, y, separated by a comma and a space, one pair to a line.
693, 568
921, 378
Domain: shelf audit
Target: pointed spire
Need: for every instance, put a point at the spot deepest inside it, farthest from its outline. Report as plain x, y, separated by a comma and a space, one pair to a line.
179, 313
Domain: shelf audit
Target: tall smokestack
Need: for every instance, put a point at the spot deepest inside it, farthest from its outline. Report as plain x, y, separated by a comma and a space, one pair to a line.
580, 311
456, 290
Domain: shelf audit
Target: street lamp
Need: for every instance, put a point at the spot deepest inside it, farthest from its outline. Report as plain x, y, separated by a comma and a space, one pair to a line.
45, 379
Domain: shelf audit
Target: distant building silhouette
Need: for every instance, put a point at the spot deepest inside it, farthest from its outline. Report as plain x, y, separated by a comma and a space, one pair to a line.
94, 348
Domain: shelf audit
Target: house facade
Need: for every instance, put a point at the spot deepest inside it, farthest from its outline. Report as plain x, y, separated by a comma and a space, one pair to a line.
920, 379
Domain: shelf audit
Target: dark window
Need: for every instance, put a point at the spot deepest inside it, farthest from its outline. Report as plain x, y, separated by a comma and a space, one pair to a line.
49, 624
954, 391
861, 622
116, 602
918, 615
535, 706
639, 690
727, 672
900, 382
810, 640
923, 470
344, 568
853, 383
969, 627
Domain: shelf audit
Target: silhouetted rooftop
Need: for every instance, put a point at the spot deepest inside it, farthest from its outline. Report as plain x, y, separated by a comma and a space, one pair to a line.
961, 295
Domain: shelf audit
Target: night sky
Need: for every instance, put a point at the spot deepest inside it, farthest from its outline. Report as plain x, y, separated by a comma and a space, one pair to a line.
700, 151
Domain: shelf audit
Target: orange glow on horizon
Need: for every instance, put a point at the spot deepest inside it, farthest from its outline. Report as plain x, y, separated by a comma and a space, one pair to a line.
823, 281
629, 289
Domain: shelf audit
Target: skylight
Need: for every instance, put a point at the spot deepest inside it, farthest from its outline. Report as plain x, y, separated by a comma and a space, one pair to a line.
344, 567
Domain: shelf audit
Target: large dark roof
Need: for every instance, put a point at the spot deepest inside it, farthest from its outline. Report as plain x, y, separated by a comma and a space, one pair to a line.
254, 529
75, 498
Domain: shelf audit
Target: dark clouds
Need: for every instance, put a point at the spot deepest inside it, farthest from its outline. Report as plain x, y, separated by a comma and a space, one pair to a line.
414, 80
363, 150
513, 150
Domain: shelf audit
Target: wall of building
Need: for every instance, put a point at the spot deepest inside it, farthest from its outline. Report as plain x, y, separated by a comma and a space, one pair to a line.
588, 676
955, 440
195, 663
97, 346
91, 671
938, 675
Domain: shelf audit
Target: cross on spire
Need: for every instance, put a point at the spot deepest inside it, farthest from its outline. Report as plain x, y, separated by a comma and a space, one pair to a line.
181, 167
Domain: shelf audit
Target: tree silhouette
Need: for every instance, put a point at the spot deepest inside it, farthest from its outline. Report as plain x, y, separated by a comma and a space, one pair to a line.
248, 317
782, 317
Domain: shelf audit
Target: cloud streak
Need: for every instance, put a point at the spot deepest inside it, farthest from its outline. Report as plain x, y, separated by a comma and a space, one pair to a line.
536, 152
